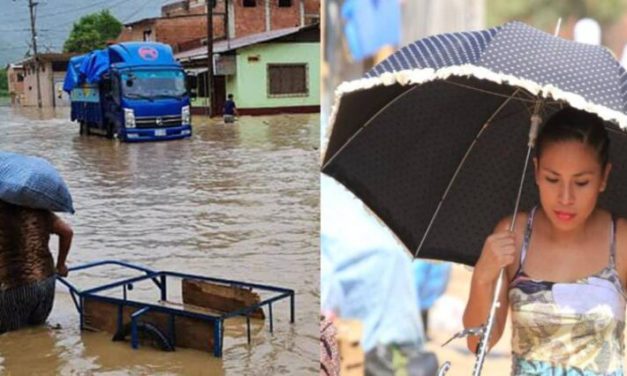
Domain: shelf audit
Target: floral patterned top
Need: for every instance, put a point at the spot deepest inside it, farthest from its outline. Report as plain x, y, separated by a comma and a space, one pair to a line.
574, 328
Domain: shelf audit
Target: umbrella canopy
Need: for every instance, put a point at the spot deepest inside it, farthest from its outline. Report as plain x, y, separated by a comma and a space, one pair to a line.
449, 116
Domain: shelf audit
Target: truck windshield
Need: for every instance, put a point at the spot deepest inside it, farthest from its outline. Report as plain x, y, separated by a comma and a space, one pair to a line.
153, 84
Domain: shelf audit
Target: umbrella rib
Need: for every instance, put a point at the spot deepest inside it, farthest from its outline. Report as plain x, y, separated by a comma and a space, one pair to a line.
509, 97
491, 92
459, 167
368, 123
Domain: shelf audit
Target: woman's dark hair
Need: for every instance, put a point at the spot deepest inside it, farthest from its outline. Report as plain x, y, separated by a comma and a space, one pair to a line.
570, 124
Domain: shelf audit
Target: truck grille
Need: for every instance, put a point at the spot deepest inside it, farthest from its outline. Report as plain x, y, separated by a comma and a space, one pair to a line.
158, 121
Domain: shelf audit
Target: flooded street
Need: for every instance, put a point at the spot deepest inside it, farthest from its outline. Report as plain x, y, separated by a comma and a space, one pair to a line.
236, 201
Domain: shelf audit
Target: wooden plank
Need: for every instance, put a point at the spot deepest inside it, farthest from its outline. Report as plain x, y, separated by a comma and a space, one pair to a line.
222, 298
190, 332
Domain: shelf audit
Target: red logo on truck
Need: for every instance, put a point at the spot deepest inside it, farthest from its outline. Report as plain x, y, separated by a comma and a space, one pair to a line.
148, 53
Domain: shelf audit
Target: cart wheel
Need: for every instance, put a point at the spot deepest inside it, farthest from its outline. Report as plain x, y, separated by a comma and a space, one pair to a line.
147, 331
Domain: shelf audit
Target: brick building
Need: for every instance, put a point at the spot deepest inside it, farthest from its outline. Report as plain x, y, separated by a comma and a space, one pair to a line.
52, 68
183, 23
173, 30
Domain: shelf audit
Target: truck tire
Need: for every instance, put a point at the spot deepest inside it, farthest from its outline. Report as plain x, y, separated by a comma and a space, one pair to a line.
81, 127
109, 129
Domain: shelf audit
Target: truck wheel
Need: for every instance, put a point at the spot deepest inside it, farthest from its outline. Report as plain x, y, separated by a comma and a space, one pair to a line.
81, 128
109, 129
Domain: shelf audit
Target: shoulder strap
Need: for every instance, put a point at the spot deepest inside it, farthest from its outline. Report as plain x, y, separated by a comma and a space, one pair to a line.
613, 242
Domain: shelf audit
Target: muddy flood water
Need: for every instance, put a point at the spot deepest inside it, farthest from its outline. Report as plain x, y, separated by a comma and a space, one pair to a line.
239, 202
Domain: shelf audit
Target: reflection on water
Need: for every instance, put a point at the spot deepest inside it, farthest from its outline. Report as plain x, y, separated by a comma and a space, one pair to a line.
235, 201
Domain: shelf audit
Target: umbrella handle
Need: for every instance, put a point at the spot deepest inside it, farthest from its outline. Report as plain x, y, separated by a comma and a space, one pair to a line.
484, 343
485, 340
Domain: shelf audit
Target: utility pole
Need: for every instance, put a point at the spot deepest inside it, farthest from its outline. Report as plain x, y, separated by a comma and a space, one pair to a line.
33, 33
210, 56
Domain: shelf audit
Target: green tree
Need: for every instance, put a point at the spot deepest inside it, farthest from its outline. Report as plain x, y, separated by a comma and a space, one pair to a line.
4, 84
544, 14
92, 32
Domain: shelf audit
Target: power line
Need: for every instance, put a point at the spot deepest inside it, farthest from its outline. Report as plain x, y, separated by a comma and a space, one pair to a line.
12, 48
135, 12
12, 30
66, 11
75, 21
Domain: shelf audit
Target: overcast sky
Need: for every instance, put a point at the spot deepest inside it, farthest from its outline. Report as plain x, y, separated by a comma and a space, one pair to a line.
55, 19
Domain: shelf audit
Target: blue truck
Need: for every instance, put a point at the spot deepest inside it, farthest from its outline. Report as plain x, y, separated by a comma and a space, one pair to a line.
135, 91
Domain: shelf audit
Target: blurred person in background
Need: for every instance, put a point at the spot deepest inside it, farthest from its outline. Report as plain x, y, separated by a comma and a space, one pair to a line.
431, 279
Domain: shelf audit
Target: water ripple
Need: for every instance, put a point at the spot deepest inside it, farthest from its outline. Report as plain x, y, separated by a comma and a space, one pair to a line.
236, 202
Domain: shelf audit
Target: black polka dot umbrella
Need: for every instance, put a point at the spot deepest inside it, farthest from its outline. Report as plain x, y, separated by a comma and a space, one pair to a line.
434, 139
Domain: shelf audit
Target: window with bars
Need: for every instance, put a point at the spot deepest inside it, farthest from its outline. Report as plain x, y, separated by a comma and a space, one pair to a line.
285, 3
249, 3
287, 80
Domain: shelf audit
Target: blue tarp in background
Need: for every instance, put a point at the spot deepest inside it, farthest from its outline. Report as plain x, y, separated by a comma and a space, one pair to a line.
86, 68
72, 76
431, 280
373, 285
370, 25
365, 273
94, 65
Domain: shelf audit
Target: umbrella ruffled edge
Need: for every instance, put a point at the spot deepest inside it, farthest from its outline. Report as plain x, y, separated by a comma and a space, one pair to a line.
419, 76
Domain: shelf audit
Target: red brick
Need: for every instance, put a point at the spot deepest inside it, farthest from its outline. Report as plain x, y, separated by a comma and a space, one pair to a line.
183, 24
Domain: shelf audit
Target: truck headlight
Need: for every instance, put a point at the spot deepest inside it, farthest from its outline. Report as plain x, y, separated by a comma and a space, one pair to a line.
185, 116
129, 118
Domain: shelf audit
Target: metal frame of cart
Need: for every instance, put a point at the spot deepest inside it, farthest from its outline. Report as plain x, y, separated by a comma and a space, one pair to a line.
160, 280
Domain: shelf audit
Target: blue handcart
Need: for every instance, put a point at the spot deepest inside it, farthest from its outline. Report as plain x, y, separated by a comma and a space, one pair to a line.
170, 325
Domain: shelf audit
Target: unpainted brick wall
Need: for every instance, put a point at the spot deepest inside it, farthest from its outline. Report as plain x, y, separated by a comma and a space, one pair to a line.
181, 29
285, 16
136, 32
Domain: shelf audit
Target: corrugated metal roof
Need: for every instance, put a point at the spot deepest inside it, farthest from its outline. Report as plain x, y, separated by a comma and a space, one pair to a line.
49, 56
235, 43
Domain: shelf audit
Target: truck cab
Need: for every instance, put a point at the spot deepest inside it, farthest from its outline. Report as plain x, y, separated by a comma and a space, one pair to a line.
135, 91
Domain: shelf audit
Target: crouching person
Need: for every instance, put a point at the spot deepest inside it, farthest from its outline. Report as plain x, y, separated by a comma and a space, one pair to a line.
27, 270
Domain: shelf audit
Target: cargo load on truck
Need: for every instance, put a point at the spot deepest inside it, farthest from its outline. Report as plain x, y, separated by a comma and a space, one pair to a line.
135, 91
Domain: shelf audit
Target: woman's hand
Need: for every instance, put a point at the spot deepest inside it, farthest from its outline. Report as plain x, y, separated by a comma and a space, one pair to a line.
499, 251
62, 270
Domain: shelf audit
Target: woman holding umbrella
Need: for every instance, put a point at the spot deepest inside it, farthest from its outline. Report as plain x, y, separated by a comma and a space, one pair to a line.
413, 137
565, 261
